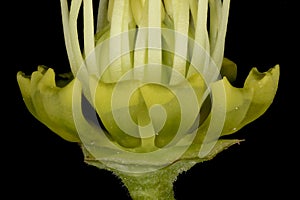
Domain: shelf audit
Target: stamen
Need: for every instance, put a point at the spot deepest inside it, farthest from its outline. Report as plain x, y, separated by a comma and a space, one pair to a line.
219, 21
181, 27
120, 19
201, 49
102, 20
74, 11
154, 41
67, 37
89, 37
88, 28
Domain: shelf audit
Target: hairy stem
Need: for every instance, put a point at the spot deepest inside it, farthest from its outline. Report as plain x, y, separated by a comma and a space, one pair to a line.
154, 185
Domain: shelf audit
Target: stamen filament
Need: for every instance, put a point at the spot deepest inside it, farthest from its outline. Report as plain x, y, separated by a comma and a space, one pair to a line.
181, 27
88, 29
201, 39
102, 20
154, 41
219, 30
67, 37
74, 12
89, 37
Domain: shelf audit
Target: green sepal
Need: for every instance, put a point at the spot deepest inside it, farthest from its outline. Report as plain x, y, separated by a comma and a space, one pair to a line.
48, 103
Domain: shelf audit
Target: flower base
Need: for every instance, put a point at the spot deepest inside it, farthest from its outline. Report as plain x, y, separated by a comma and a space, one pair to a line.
156, 184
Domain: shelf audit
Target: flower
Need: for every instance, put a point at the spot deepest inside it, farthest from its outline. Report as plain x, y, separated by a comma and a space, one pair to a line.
149, 93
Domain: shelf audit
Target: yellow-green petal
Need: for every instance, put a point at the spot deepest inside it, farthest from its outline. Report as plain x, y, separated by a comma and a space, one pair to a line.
131, 103
246, 104
50, 104
264, 85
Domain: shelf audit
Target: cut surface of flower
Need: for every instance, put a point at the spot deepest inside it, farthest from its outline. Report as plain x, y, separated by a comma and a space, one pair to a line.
150, 93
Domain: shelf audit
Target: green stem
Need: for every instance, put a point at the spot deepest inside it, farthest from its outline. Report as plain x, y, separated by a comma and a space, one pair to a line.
151, 186
155, 185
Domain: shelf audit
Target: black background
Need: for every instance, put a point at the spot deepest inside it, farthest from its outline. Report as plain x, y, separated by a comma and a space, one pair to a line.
39, 164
